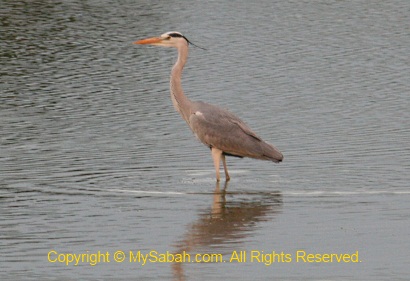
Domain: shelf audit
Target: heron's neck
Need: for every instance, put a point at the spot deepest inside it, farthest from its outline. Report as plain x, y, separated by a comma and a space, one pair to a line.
180, 101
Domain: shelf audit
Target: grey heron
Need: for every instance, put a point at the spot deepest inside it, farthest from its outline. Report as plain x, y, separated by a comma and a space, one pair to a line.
223, 132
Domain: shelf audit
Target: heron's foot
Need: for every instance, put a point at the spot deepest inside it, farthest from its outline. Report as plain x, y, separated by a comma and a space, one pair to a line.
227, 178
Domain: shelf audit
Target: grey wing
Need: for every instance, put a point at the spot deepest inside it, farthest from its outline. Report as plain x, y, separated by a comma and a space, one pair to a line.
217, 127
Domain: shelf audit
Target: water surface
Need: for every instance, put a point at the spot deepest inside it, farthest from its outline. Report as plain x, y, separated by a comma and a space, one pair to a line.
94, 158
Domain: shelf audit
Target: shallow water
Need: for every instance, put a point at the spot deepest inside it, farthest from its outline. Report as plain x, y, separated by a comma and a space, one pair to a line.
94, 158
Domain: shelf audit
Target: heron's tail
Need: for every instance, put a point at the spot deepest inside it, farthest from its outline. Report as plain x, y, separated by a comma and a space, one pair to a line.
271, 153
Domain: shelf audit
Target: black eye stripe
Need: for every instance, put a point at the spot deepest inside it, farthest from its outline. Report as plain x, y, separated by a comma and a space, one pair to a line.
175, 35
179, 35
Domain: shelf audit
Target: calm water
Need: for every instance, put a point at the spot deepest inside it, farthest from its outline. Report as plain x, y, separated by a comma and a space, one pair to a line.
94, 158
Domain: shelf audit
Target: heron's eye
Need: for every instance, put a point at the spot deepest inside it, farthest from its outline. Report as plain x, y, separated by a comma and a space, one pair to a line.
177, 35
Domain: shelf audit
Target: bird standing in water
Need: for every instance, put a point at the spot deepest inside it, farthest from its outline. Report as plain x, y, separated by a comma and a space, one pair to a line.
223, 132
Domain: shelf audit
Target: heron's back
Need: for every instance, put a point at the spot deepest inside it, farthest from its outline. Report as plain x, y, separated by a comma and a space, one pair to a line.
217, 127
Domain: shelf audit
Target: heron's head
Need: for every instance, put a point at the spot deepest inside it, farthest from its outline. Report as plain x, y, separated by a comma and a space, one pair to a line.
168, 39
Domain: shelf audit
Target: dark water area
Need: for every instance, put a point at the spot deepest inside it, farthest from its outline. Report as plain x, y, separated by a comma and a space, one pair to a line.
95, 162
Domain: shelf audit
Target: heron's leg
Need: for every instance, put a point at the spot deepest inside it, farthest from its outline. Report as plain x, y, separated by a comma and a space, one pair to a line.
227, 177
216, 156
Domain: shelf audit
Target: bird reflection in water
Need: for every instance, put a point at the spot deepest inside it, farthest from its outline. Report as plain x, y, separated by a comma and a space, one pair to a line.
226, 223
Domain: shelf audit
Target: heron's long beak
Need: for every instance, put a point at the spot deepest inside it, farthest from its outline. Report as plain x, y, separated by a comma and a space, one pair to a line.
150, 41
